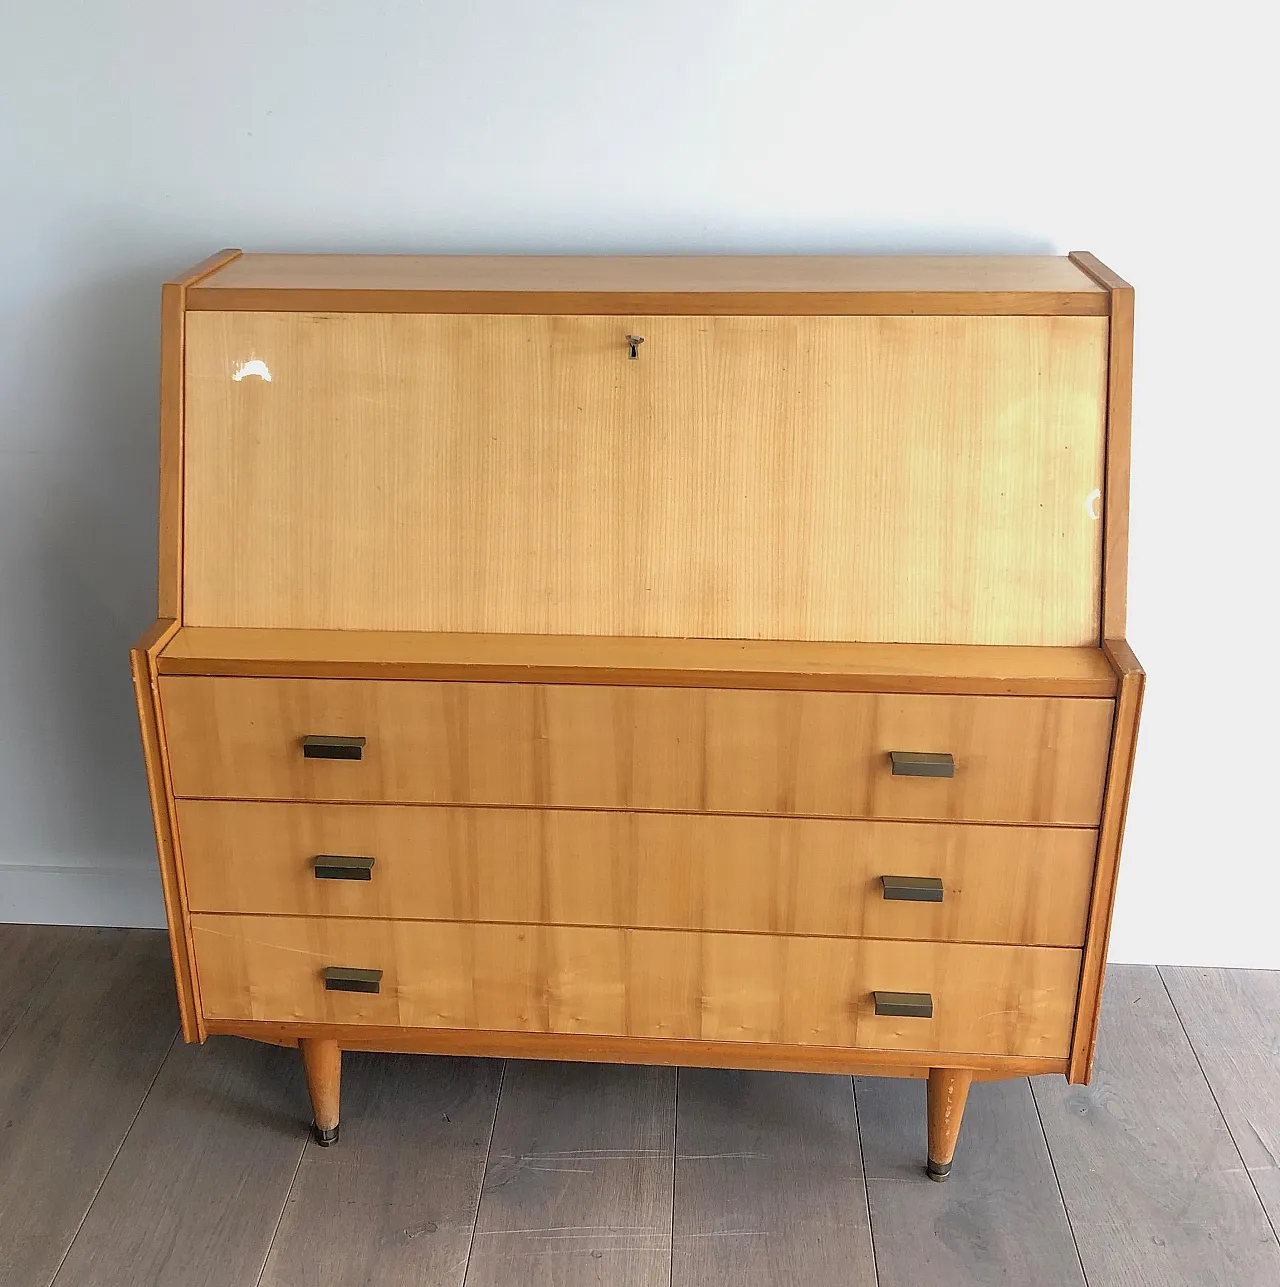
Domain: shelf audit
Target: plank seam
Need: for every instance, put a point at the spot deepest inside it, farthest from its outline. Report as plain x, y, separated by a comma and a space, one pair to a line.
1234, 1142
284, 1206
866, 1183
484, 1170
34, 992
106, 1175
1053, 1166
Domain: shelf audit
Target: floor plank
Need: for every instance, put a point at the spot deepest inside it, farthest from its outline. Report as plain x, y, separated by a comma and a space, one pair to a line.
28, 955
579, 1184
998, 1219
769, 1185
73, 1074
197, 1190
394, 1202
1154, 1186
1233, 1020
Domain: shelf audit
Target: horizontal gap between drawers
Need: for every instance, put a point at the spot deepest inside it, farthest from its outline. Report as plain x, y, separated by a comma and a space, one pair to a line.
616, 808
644, 929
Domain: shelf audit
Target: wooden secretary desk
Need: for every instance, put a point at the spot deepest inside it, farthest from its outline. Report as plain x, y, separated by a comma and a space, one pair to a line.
714, 661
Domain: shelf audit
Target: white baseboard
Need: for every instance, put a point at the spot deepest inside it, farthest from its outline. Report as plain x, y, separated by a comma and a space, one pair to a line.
36, 895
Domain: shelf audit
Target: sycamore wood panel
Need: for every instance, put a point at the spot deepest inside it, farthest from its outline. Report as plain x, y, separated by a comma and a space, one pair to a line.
1026, 885
1018, 759
697, 663
883, 479
644, 983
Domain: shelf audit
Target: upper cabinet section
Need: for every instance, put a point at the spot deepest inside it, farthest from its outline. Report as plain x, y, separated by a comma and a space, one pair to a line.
785, 475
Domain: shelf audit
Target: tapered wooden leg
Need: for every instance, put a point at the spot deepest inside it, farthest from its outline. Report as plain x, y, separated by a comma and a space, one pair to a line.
948, 1091
322, 1060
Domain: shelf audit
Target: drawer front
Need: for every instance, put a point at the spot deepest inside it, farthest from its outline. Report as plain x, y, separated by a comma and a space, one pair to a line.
679, 871
1016, 759
643, 983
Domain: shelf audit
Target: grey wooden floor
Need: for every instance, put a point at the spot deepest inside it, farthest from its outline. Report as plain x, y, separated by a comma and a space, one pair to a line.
129, 1158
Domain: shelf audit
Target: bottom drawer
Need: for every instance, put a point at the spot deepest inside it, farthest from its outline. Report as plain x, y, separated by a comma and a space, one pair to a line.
990, 1000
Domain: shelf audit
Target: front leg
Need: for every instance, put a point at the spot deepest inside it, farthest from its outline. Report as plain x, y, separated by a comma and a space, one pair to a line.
322, 1060
948, 1091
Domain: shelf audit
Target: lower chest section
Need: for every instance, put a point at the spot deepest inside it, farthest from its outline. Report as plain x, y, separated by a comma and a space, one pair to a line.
845, 871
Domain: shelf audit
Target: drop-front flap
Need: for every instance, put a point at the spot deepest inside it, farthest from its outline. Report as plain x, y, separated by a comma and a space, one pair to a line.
880, 478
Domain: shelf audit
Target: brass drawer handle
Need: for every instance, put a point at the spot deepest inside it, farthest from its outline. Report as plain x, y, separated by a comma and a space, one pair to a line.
923, 764
911, 889
316, 746
346, 978
907, 1005
342, 867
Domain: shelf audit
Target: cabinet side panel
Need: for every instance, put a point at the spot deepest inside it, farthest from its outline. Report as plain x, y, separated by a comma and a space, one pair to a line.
886, 479
141, 665
169, 572
1124, 743
1115, 558
173, 303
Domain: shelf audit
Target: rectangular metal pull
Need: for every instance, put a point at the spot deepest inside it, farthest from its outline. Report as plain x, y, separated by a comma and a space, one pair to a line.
922, 764
342, 867
317, 746
908, 1005
911, 889
346, 978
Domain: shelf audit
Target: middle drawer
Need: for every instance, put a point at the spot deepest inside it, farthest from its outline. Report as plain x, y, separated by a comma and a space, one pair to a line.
1025, 885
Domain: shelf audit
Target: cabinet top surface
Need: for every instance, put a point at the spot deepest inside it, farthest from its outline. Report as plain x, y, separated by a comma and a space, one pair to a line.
1039, 284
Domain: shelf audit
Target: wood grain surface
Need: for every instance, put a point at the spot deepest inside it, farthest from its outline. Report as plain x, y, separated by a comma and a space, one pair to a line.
73, 1074
751, 988
394, 1204
999, 1219
1018, 759
195, 1194
906, 479
664, 871
1232, 1018
1154, 1185
31, 952
578, 1188
768, 1182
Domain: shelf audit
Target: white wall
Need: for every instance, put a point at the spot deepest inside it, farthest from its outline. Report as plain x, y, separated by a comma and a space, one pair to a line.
138, 135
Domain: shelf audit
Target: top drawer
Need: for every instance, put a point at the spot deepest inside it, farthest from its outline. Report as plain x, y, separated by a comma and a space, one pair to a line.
1016, 759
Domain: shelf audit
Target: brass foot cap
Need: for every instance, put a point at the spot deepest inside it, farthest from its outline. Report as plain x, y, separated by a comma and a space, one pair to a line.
938, 1170
324, 1138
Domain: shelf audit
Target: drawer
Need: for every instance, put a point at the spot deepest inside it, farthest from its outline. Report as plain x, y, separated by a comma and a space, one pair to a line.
660, 870
643, 983
1016, 759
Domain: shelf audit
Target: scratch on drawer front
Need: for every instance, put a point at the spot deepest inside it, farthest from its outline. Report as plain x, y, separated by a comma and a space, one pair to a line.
275, 947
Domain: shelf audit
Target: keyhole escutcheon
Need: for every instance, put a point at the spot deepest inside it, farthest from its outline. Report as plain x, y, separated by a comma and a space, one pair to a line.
635, 341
